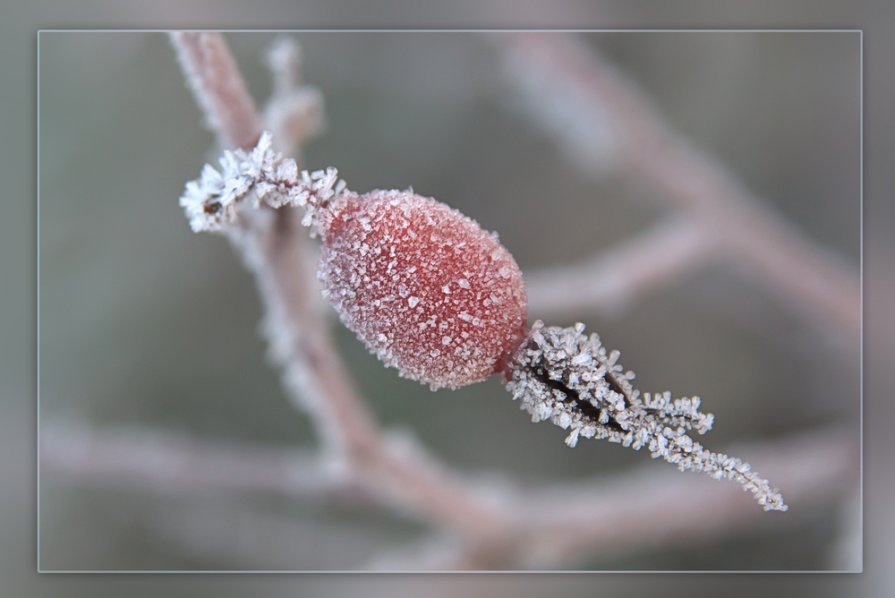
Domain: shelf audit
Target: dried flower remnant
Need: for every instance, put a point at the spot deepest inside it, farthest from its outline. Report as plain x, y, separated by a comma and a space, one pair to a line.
261, 177
435, 296
567, 377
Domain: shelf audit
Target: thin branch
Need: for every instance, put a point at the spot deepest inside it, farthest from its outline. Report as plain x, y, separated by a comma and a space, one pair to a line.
218, 87
615, 278
811, 278
271, 244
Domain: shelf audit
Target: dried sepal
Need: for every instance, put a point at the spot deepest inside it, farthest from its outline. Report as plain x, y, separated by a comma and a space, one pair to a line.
256, 178
566, 376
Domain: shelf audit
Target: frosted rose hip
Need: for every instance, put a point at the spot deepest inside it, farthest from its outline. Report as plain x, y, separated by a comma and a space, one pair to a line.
422, 285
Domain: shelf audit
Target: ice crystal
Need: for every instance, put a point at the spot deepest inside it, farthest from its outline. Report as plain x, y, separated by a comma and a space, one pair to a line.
566, 376
260, 177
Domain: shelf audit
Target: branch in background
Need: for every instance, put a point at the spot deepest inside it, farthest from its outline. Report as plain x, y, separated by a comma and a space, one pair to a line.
607, 106
175, 465
617, 277
608, 516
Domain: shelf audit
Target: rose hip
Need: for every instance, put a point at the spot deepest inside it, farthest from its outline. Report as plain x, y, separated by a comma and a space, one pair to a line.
423, 286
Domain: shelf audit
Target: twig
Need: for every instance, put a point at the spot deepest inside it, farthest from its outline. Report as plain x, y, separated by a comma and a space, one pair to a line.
271, 245
812, 279
617, 277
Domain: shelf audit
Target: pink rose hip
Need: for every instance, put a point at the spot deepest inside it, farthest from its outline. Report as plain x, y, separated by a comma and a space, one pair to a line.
423, 286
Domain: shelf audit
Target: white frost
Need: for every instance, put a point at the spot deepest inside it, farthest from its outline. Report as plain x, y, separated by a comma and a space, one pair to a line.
592, 396
260, 177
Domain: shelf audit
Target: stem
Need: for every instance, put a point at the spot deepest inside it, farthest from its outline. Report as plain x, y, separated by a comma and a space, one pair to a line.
218, 87
272, 246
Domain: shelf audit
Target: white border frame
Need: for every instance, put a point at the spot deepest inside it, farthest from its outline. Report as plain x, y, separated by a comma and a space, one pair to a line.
860, 33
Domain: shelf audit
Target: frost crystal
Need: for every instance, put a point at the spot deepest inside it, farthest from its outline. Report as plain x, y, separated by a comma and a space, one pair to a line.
259, 177
566, 376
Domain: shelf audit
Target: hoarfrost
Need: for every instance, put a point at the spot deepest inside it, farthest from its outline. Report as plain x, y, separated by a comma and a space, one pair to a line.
260, 177
566, 376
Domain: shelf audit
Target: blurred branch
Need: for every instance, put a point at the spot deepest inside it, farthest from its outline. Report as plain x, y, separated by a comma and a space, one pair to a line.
607, 516
175, 465
619, 276
651, 507
612, 516
605, 105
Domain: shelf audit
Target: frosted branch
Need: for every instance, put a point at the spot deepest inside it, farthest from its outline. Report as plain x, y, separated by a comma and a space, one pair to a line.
271, 242
218, 87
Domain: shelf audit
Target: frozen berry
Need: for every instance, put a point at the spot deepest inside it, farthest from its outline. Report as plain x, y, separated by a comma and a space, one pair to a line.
423, 286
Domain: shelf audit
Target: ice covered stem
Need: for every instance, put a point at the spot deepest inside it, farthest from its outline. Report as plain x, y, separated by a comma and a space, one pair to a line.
566, 376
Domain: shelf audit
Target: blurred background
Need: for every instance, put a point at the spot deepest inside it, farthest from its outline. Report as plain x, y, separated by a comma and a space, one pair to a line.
150, 331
